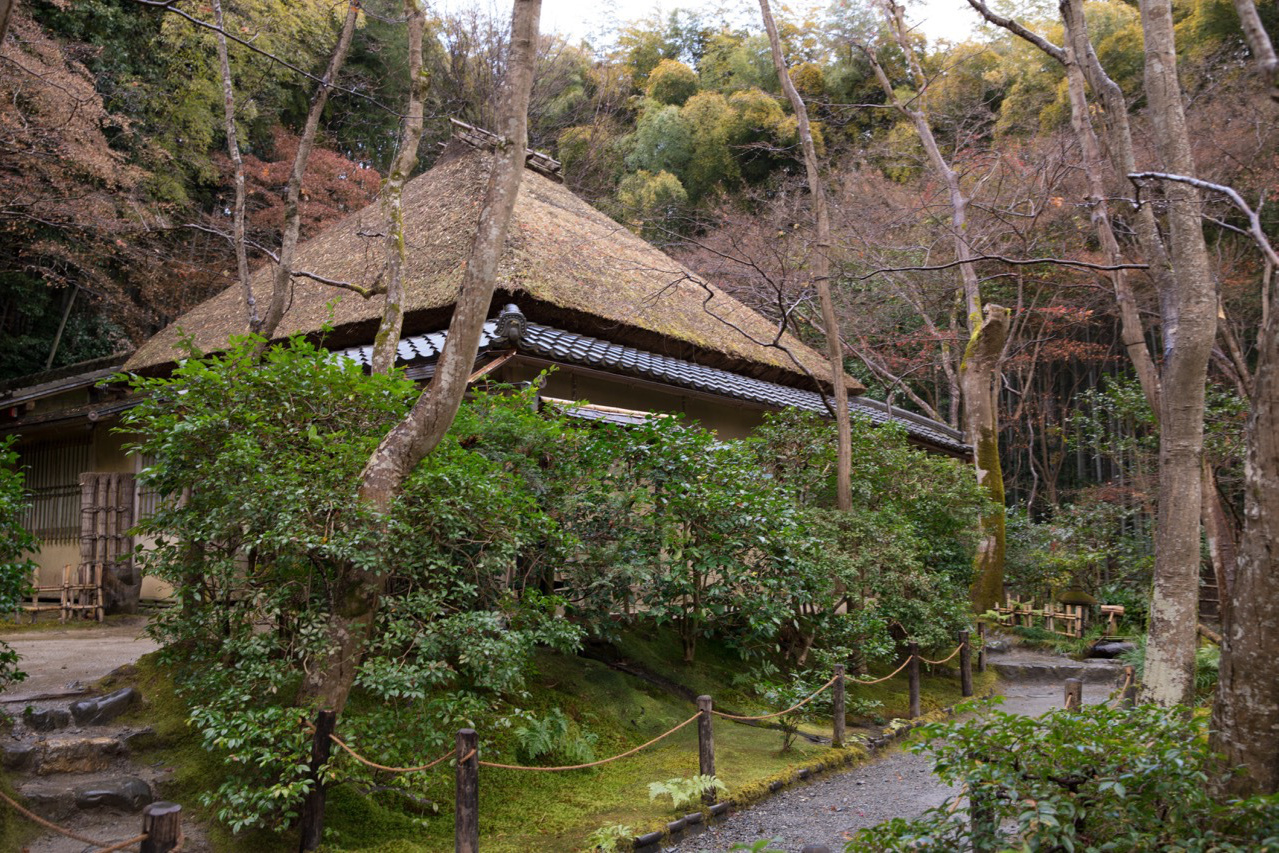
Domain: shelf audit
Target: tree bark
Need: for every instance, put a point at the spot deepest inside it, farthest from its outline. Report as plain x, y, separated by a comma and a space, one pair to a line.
1263, 51
1245, 720
282, 280
6, 12
431, 416
387, 339
819, 267
979, 378
1170, 651
237, 163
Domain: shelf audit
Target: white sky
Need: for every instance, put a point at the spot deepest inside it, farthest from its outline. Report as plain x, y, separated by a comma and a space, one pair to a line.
953, 20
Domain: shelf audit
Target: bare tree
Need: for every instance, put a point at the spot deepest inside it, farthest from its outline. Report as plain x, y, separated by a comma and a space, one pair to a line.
424, 426
987, 325
819, 267
238, 242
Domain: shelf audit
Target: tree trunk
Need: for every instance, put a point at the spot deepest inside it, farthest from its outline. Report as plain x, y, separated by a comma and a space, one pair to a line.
1245, 720
979, 375
431, 416
282, 280
987, 333
387, 339
819, 267
6, 12
237, 162
1170, 652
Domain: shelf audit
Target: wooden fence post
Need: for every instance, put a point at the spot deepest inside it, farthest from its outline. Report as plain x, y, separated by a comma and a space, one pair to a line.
706, 746
981, 646
912, 670
162, 826
837, 711
1074, 694
313, 805
965, 665
1130, 686
466, 794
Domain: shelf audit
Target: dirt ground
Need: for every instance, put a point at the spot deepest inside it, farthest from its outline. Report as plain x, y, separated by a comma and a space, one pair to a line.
62, 662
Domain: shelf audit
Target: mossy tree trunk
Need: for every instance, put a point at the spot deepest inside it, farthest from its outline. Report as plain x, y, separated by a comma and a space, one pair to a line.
387, 340
987, 328
409, 441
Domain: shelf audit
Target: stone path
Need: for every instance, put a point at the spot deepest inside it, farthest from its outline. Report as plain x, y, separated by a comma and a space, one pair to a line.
900, 784
68, 752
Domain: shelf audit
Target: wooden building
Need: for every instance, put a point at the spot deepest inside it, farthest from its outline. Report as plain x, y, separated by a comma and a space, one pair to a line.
628, 329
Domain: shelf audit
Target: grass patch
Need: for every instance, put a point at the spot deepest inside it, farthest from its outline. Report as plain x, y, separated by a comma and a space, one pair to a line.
522, 811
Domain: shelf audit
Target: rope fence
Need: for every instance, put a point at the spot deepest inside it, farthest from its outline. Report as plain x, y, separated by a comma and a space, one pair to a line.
161, 829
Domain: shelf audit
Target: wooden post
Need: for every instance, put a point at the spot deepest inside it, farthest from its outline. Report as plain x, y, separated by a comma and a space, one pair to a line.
162, 826
1074, 694
706, 745
1130, 686
837, 703
965, 665
313, 805
912, 670
981, 643
466, 793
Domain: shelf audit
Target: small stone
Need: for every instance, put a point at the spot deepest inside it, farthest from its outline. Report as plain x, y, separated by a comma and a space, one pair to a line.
126, 793
103, 709
16, 756
47, 721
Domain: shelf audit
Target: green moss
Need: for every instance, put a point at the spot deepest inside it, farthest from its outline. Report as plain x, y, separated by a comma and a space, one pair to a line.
522, 811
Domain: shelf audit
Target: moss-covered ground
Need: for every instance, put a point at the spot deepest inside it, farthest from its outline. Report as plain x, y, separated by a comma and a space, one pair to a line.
526, 811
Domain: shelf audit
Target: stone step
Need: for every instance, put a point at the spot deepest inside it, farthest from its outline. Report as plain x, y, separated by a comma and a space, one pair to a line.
94, 711
1090, 671
67, 753
58, 798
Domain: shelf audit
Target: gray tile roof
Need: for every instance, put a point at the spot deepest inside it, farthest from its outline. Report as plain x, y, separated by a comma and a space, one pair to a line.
571, 348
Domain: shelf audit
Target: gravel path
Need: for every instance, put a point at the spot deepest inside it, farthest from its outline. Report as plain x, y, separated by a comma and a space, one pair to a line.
832, 808
67, 660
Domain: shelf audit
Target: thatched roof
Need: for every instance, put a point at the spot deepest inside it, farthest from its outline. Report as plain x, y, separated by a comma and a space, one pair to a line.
565, 262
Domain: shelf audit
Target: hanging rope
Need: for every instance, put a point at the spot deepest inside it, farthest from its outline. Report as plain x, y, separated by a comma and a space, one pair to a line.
376, 766
796, 707
892, 674
103, 847
594, 763
946, 659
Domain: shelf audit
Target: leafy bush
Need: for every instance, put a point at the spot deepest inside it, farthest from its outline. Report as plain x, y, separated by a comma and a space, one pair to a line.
15, 544
686, 792
1101, 779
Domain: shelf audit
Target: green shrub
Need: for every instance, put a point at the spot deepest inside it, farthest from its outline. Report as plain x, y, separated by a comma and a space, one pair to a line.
1100, 779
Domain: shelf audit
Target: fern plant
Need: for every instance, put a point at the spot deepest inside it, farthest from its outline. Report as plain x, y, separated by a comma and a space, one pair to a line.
554, 737
610, 839
685, 792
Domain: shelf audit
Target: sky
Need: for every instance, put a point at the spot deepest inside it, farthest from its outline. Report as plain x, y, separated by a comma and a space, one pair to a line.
938, 19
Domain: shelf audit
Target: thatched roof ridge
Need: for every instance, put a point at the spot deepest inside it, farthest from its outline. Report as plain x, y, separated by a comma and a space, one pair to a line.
565, 262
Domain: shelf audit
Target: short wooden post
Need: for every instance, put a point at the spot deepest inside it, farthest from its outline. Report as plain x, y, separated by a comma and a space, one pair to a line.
1074, 693
912, 670
837, 707
815, 848
466, 794
965, 665
313, 805
1129, 697
706, 745
162, 826
981, 646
